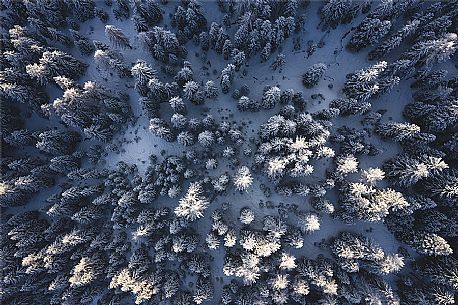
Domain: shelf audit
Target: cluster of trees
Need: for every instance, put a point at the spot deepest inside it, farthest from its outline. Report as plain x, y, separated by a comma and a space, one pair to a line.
74, 251
374, 81
54, 13
262, 28
433, 280
92, 108
24, 175
432, 20
363, 200
335, 12
18, 86
270, 273
427, 23
377, 24
189, 20
181, 94
433, 108
424, 171
427, 36
289, 141
272, 96
163, 45
146, 14
354, 253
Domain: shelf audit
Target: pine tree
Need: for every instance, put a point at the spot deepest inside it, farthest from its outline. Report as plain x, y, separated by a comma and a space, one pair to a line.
394, 41
193, 204
309, 222
442, 188
122, 10
398, 132
350, 106
112, 60
64, 164
432, 117
354, 252
279, 62
408, 170
206, 138
429, 79
178, 121
57, 142
242, 178
227, 49
368, 33
435, 50
430, 244
335, 12
148, 11
266, 51
177, 104
227, 75
142, 73
83, 9
270, 98
21, 137
364, 84
247, 104
204, 290
56, 63
440, 270
190, 90
140, 260
211, 91
161, 129
186, 138
313, 75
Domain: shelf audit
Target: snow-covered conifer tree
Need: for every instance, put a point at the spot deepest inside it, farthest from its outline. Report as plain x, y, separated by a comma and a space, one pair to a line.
206, 138
270, 98
116, 36
309, 222
193, 204
313, 75
246, 216
434, 50
335, 12
368, 33
242, 178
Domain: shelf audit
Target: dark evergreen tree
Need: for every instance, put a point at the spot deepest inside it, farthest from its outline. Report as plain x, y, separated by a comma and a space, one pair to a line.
313, 75
117, 37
